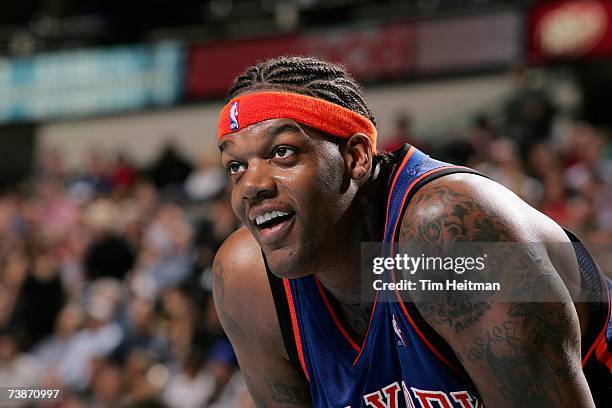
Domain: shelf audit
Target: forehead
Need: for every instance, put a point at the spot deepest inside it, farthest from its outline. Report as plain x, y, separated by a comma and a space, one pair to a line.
266, 131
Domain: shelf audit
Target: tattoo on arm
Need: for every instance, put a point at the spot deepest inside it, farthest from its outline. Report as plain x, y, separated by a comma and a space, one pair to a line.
456, 218
529, 354
259, 401
288, 393
529, 350
230, 324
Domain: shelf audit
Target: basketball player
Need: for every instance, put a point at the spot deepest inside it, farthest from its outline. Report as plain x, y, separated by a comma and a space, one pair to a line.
299, 144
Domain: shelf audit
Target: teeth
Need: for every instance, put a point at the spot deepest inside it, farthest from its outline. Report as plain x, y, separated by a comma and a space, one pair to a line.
269, 216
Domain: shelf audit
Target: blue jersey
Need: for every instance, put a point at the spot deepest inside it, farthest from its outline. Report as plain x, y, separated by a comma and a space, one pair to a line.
402, 362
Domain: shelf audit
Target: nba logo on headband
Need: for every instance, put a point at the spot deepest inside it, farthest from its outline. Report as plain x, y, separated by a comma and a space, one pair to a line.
233, 113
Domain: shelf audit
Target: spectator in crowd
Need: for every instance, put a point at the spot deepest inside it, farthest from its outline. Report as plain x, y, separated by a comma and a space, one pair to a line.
109, 254
206, 181
400, 134
54, 348
98, 338
170, 169
141, 332
528, 113
17, 369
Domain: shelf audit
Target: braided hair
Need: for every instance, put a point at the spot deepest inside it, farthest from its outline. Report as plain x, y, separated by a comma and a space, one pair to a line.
307, 76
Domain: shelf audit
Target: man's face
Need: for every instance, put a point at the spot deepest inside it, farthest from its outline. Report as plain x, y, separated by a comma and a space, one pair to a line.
290, 188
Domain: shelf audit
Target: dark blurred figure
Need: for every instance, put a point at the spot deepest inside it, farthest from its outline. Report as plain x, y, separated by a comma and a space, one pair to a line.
41, 296
109, 254
170, 168
528, 113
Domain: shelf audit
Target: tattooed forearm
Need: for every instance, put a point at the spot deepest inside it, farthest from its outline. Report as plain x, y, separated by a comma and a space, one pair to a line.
529, 355
231, 326
514, 371
259, 401
288, 393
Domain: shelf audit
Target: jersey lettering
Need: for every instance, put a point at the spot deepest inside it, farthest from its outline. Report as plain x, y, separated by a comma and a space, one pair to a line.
407, 396
427, 398
464, 399
391, 392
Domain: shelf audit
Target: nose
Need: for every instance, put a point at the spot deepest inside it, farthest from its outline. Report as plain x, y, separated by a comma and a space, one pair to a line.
257, 182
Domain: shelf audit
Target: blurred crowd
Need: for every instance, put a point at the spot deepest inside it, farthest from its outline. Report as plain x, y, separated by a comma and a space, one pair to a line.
105, 283
105, 271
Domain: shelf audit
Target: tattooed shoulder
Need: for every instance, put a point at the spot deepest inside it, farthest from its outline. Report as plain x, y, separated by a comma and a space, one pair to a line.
440, 216
518, 353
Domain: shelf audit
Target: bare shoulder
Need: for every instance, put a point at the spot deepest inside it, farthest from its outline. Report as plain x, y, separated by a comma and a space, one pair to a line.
241, 291
245, 306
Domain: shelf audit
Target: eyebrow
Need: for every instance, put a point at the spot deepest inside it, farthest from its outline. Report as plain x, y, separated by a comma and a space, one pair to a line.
223, 144
271, 133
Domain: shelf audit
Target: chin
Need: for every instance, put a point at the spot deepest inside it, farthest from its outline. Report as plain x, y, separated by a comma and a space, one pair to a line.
285, 264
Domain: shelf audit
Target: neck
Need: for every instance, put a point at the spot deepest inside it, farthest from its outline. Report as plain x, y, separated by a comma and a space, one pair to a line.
341, 273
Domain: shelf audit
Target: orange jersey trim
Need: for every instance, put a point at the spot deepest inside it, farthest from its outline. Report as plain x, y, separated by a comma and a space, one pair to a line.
335, 318
599, 345
296, 328
365, 338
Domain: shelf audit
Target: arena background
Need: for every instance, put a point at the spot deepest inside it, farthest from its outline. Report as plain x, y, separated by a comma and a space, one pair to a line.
113, 202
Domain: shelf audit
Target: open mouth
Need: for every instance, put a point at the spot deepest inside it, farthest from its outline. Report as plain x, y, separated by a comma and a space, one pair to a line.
274, 225
272, 219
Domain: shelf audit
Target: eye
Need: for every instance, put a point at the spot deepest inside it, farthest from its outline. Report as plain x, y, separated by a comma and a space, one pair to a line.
234, 167
283, 151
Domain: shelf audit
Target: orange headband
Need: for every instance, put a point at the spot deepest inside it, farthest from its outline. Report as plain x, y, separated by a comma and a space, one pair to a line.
248, 109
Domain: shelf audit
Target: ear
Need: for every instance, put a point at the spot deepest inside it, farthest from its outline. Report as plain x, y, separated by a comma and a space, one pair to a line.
358, 156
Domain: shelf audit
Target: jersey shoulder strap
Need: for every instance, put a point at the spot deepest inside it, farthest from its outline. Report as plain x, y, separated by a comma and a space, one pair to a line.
281, 303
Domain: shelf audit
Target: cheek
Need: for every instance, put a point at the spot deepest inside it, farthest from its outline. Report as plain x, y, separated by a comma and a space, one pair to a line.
323, 190
237, 204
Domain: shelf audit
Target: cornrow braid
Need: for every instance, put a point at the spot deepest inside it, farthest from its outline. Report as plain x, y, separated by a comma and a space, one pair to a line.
306, 76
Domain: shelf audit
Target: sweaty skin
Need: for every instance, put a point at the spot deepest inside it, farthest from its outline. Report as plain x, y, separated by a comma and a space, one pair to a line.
330, 190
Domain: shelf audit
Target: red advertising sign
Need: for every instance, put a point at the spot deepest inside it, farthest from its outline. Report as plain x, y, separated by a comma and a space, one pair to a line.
211, 68
369, 54
565, 30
